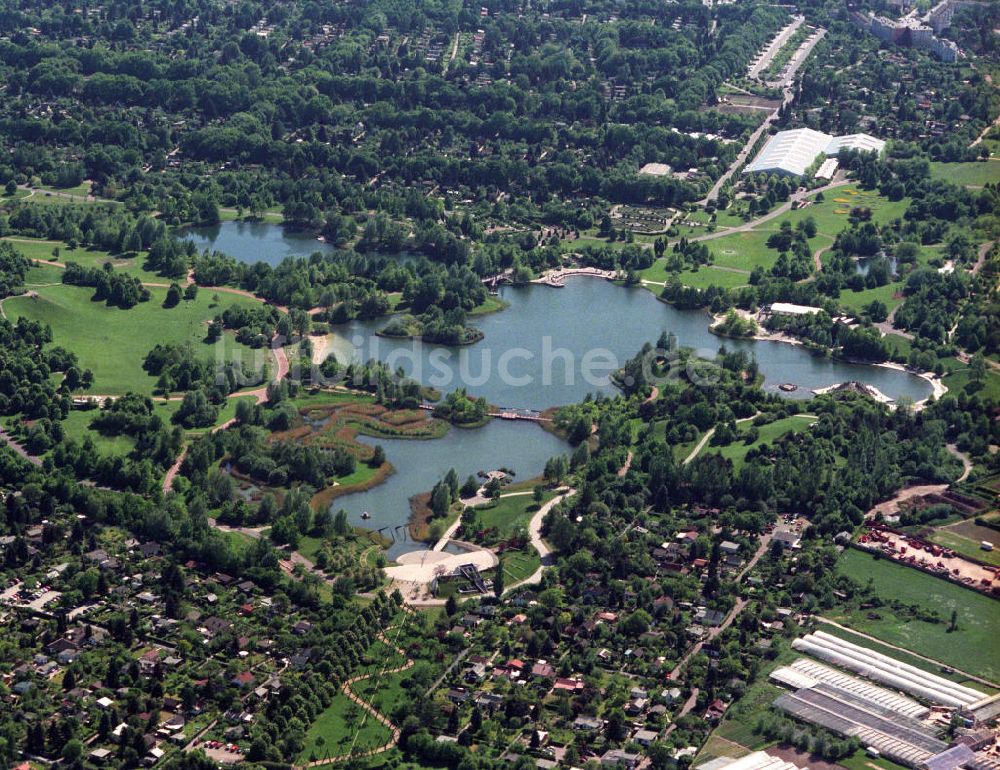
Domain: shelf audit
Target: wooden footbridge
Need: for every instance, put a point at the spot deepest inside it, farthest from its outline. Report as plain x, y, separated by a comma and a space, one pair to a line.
506, 413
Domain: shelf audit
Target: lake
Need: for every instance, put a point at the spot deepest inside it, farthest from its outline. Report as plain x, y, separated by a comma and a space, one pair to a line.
550, 347
553, 346
253, 242
522, 447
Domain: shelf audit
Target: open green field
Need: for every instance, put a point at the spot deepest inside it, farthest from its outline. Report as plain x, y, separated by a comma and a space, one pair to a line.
34, 248
743, 251
737, 451
971, 648
703, 277
42, 275
333, 733
113, 342
509, 513
973, 174
860, 760
832, 213
958, 380
857, 301
736, 254
519, 565
905, 657
77, 427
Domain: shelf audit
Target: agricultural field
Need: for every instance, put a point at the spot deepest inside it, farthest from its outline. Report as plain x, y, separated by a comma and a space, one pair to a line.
970, 648
965, 538
113, 343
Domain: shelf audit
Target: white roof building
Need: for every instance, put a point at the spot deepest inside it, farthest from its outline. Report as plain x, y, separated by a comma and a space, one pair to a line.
655, 169
758, 760
861, 142
792, 152
787, 308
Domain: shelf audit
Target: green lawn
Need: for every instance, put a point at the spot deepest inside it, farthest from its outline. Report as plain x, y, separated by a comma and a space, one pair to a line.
509, 513
904, 657
490, 305
737, 451
77, 427
113, 342
974, 173
333, 733
519, 565
743, 251
857, 301
958, 380
35, 248
42, 275
832, 213
860, 760
226, 412
971, 648
708, 275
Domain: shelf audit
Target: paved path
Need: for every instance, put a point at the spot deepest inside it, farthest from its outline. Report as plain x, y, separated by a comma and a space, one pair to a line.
741, 603
18, 449
699, 446
535, 534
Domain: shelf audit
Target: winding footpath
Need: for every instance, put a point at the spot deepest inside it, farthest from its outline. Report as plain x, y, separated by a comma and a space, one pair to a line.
259, 394
370, 710
535, 535
18, 449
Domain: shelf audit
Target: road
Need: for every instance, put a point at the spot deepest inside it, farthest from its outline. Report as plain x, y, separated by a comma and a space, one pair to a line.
734, 613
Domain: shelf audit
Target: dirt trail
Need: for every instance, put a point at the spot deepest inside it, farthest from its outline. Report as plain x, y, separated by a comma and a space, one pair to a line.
369, 709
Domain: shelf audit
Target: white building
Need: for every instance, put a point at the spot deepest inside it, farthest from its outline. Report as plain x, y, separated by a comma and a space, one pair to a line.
792, 152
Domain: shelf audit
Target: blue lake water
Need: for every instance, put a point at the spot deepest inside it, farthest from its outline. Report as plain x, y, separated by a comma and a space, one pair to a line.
255, 241
550, 347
